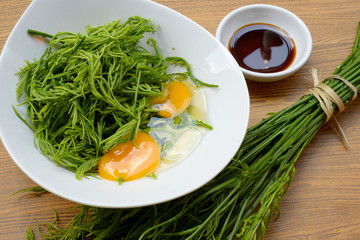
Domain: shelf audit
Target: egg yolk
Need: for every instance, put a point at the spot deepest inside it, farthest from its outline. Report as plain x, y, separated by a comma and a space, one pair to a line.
175, 99
129, 161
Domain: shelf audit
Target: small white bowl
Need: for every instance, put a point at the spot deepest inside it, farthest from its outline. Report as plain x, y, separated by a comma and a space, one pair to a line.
262, 13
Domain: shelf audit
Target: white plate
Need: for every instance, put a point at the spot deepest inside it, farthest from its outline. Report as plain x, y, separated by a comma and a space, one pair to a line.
228, 106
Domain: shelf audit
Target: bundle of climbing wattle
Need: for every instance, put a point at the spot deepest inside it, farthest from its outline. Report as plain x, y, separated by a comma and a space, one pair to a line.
240, 201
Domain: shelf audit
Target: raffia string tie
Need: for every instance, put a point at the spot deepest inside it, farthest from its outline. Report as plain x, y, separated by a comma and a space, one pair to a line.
326, 97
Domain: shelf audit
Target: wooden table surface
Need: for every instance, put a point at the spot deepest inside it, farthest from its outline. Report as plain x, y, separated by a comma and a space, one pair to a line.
324, 200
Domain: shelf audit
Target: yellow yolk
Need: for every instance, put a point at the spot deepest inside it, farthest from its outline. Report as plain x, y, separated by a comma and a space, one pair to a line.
175, 99
128, 161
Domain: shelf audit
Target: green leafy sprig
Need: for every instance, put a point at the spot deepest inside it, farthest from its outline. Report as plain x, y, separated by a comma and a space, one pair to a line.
89, 92
240, 201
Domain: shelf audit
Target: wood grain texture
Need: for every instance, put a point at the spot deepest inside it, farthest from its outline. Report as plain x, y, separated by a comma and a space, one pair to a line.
324, 200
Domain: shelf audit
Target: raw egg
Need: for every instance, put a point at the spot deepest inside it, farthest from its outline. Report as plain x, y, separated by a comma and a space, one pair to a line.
131, 160
176, 140
175, 99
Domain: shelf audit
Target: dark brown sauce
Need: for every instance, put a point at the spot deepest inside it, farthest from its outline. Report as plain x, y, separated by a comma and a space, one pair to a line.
263, 48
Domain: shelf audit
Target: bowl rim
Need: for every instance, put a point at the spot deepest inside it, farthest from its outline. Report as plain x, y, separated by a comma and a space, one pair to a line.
293, 67
13, 132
